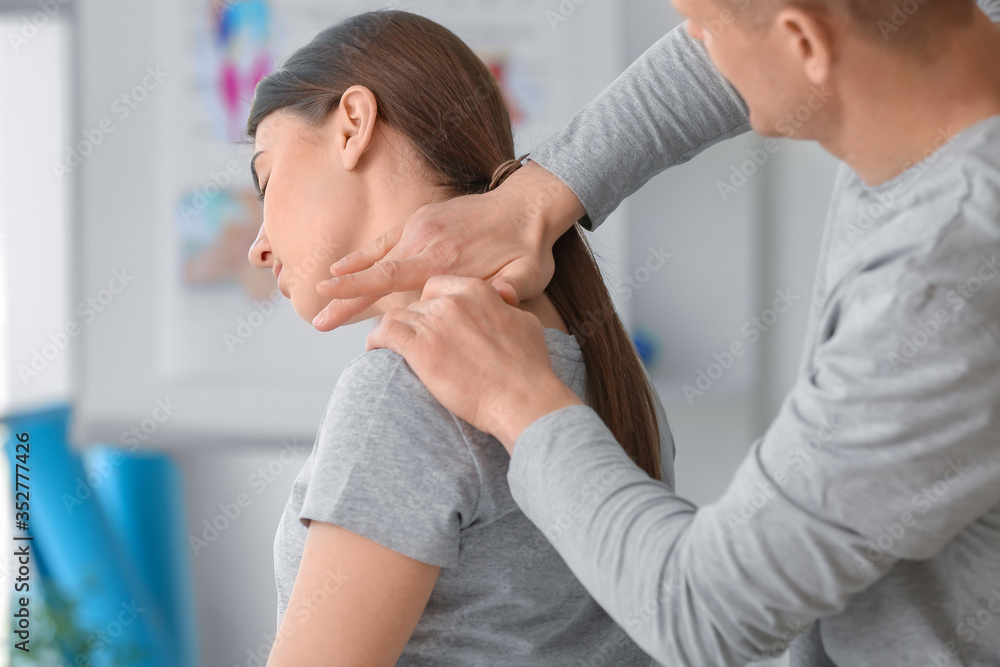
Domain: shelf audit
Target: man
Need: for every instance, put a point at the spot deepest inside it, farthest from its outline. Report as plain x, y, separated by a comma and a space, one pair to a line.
864, 527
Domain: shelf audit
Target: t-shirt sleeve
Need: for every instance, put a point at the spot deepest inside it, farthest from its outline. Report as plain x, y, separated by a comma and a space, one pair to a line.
391, 464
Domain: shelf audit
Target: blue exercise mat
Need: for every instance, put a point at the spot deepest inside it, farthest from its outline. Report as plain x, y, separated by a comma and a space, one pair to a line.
108, 529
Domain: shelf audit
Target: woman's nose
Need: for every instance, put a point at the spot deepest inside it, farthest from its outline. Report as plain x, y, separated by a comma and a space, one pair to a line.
260, 252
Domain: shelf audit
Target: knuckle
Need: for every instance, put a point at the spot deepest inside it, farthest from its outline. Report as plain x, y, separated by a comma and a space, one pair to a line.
386, 270
450, 304
428, 223
398, 332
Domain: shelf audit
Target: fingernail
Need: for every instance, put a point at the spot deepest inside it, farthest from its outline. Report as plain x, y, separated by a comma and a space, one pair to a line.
320, 319
339, 264
330, 282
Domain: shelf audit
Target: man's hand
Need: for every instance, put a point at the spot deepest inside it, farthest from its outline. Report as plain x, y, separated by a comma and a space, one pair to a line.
483, 359
504, 236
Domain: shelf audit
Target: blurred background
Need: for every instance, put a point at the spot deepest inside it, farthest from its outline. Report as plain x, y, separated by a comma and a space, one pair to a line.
171, 395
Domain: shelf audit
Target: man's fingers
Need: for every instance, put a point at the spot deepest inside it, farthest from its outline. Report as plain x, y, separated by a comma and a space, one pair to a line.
396, 331
383, 277
339, 311
439, 286
371, 253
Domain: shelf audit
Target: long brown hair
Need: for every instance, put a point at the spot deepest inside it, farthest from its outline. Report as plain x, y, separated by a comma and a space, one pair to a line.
432, 88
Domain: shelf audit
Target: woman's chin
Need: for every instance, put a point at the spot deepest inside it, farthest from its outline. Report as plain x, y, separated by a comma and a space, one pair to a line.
309, 313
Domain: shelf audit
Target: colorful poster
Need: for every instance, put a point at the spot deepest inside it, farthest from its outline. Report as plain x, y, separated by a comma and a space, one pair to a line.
236, 50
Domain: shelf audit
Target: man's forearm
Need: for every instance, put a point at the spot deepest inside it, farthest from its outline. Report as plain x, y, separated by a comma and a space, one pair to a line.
521, 408
690, 586
670, 105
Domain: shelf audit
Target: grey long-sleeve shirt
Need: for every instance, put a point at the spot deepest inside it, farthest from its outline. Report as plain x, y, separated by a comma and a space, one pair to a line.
864, 527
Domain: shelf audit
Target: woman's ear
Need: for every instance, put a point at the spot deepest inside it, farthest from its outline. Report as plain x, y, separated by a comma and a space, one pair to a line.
356, 117
810, 40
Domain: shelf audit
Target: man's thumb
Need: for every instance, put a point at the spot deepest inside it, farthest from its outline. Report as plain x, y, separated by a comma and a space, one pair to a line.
508, 292
522, 279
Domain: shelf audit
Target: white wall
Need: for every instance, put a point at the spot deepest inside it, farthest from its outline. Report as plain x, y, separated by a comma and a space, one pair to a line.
35, 314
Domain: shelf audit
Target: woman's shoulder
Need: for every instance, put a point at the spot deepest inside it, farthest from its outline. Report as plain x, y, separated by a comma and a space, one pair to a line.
379, 384
379, 407
380, 377
391, 464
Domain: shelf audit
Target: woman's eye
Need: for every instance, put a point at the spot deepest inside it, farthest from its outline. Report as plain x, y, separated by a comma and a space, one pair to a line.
261, 195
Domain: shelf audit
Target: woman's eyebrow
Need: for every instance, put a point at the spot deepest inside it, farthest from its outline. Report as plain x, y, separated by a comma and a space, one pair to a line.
253, 171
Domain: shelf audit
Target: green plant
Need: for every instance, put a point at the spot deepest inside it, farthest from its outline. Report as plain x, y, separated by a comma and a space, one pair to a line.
57, 639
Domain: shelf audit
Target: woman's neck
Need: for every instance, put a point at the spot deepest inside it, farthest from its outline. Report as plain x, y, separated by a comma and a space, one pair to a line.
542, 307
406, 195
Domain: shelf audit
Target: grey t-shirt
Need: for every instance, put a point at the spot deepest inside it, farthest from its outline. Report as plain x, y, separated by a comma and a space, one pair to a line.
863, 528
391, 464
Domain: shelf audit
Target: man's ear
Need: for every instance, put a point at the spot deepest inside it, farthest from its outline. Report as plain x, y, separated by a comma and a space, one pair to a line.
809, 37
356, 117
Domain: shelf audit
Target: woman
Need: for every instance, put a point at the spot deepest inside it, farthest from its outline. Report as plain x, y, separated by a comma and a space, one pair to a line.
400, 543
